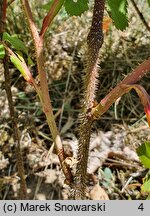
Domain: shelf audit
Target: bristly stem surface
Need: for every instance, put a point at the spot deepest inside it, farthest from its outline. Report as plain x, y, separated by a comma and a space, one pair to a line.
94, 43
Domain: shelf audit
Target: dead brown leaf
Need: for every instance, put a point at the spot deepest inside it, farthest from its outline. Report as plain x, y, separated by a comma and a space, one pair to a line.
98, 193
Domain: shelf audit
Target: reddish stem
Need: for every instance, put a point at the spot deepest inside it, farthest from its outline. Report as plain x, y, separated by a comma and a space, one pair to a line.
118, 91
44, 91
49, 18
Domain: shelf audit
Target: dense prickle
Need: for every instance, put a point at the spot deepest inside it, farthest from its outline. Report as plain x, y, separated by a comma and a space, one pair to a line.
94, 42
81, 169
95, 36
98, 13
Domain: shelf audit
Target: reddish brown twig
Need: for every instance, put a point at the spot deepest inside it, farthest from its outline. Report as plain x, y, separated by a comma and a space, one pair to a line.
117, 92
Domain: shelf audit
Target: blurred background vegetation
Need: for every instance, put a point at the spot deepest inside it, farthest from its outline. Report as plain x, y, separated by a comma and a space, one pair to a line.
65, 48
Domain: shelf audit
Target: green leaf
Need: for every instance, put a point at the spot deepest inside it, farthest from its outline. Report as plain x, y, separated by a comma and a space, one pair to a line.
18, 45
15, 42
148, 1
148, 198
17, 61
143, 152
2, 51
20, 64
107, 177
146, 185
76, 7
118, 11
107, 173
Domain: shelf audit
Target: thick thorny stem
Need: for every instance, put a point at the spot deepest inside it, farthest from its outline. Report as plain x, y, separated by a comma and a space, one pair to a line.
94, 43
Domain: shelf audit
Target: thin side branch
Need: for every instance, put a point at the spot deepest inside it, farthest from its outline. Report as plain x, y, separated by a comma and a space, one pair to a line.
44, 96
140, 15
16, 137
55, 7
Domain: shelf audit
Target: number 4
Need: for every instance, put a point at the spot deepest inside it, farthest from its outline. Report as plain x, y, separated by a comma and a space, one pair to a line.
141, 207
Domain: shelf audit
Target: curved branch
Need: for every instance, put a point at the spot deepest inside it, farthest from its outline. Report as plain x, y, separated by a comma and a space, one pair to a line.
118, 91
